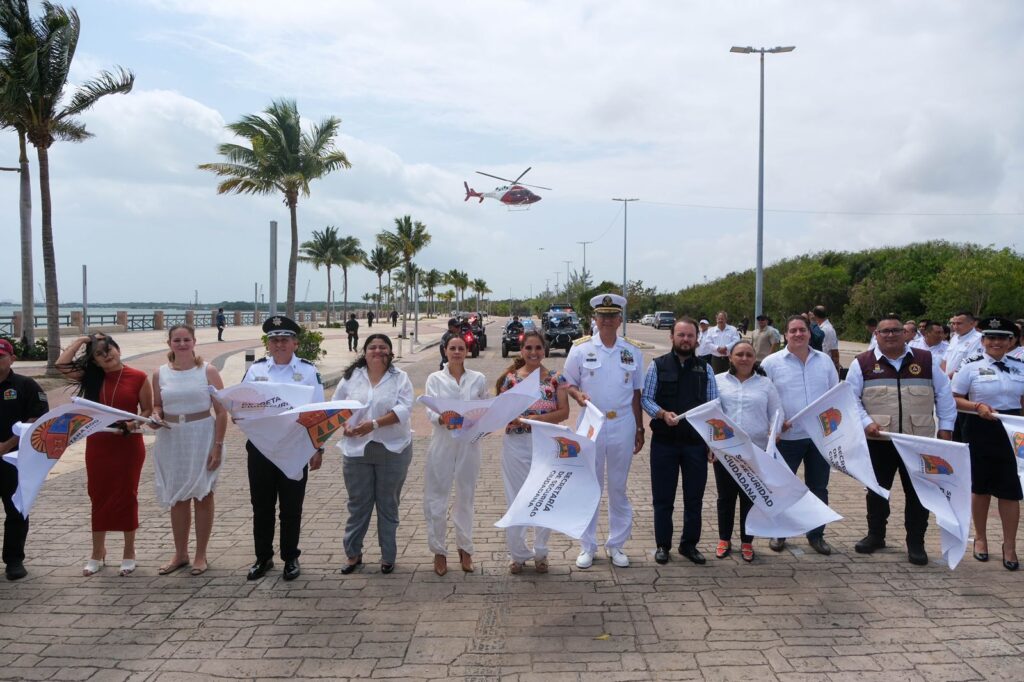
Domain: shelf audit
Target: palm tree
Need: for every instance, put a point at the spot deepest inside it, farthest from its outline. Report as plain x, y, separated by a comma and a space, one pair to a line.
431, 280
280, 157
480, 287
350, 254
381, 260
323, 250
25, 216
408, 239
37, 57
460, 281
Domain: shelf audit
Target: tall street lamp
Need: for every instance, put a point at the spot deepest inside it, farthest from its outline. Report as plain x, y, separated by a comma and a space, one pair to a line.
759, 273
625, 227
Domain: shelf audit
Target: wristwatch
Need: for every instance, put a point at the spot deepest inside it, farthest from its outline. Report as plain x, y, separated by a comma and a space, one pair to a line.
375, 424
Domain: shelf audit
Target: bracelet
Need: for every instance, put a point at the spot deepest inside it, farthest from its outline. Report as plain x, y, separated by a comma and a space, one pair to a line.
219, 444
375, 424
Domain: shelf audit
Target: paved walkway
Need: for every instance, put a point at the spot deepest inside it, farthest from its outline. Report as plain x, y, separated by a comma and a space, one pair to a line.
790, 616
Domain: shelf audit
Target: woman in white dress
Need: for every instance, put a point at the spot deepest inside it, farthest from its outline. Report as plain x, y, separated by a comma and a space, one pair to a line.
451, 462
187, 454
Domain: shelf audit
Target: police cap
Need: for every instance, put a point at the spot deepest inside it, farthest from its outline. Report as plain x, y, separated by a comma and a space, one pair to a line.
279, 325
993, 325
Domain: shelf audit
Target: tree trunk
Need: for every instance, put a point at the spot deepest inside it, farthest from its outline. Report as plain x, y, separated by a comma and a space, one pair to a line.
293, 254
49, 265
28, 308
405, 295
328, 294
344, 289
380, 293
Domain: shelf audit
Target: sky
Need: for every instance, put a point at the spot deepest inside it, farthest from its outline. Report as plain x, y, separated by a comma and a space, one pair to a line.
890, 123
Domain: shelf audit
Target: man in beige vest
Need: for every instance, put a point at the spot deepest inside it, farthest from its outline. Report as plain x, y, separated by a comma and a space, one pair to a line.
900, 390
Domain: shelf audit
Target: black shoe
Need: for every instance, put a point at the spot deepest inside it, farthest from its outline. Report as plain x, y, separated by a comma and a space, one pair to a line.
1007, 564
820, 546
291, 569
693, 554
387, 568
979, 556
916, 555
16, 571
777, 544
260, 568
661, 555
869, 544
351, 568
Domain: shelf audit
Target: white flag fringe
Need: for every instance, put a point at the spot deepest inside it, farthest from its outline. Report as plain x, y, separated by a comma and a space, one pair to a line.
474, 419
833, 423
941, 473
1014, 426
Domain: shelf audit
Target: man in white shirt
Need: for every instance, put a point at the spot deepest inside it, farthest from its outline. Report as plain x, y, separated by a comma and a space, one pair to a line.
933, 340
964, 343
830, 344
703, 349
801, 375
720, 339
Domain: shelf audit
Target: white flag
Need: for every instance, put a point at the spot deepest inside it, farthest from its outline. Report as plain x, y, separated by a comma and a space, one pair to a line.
561, 491
941, 473
254, 399
1015, 432
474, 419
783, 505
42, 443
833, 423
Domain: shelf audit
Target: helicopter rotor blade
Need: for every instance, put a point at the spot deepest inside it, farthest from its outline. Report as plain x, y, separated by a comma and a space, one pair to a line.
496, 177
521, 175
523, 184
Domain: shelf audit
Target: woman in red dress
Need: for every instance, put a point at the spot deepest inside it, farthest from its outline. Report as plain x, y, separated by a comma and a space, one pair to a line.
113, 461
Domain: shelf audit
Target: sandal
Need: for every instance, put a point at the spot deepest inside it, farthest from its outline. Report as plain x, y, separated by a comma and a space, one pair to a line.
747, 551
171, 567
515, 568
466, 561
127, 567
723, 550
92, 567
440, 564
199, 570
541, 565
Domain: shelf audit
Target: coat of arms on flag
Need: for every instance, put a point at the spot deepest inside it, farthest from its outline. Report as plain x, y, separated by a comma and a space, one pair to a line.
830, 420
1018, 444
567, 448
321, 424
55, 435
720, 430
933, 464
452, 420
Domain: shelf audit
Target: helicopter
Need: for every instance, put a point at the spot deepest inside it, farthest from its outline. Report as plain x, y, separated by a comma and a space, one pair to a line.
512, 194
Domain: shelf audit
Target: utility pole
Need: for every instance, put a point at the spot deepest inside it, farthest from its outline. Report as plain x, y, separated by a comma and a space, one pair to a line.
273, 269
625, 228
584, 244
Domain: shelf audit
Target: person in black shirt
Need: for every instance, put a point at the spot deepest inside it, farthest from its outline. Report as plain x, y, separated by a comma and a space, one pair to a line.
352, 328
21, 400
454, 329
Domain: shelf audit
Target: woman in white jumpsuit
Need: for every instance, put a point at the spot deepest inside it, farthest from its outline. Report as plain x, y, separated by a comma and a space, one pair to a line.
517, 448
451, 461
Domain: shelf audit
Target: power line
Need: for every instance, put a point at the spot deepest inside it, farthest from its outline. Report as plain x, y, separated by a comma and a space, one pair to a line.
834, 212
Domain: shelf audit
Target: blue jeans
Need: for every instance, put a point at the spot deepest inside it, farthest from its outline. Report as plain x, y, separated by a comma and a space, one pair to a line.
816, 471
667, 461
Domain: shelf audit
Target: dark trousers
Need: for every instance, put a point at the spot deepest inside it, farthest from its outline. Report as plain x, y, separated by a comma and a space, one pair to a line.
719, 364
268, 485
886, 461
728, 491
667, 461
353, 341
816, 471
220, 332
15, 525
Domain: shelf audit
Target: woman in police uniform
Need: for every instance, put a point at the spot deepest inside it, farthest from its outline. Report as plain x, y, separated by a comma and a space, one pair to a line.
986, 385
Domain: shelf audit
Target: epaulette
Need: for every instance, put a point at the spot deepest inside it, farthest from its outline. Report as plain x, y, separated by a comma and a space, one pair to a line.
1010, 357
263, 359
582, 339
973, 358
305, 361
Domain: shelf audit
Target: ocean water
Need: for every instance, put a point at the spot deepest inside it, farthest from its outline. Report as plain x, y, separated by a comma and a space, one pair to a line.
6, 310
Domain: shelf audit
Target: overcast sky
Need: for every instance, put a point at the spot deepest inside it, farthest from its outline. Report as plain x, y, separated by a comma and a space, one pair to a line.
891, 122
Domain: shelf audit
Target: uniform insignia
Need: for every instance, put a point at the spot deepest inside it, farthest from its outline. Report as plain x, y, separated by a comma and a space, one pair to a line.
318, 379
914, 369
297, 376
263, 359
582, 339
276, 321
626, 357
10, 394
994, 323
607, 300
878, 369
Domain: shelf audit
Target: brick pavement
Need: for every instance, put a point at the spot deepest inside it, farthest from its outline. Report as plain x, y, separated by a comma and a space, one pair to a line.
794, 616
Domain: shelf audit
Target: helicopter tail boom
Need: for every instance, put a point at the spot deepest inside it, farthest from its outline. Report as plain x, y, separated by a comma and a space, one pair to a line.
470, 192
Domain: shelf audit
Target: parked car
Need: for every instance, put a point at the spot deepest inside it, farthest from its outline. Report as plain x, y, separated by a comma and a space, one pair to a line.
560, 330
664, 319
648, 320
512, 336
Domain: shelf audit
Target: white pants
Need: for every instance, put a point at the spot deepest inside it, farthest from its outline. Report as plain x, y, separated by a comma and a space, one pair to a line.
516, 457
450, 462
614, 455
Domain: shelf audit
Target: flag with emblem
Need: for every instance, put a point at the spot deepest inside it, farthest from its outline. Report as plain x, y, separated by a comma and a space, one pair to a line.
257, 399
833, 423
474, 419
783, 505
44, 441
940, 471
1015, 432
561, 491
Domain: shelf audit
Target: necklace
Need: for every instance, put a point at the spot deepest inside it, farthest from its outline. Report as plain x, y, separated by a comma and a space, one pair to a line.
103, 390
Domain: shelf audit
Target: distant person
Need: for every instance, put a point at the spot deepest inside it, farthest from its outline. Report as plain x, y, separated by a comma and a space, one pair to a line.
394, 318
187, 456
720, 339
964, 343
352, 329
370, 317
910, 332
703, 347
932, 339
454, 329
23, 401
830, 344
113, 461
766, 339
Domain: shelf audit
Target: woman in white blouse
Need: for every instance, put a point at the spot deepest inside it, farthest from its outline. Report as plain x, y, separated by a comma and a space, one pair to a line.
749, 398
377, 444
450, 461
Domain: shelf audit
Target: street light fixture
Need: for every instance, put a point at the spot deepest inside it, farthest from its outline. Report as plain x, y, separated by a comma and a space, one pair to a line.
759, 272
625, 227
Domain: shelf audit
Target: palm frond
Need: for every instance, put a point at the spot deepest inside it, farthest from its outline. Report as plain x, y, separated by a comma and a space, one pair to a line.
91, 91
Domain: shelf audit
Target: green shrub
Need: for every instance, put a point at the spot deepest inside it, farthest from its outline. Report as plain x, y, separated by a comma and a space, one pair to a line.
310, 345
23, 352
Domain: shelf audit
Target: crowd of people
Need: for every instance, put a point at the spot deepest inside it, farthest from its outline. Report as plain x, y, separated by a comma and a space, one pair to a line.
912, 379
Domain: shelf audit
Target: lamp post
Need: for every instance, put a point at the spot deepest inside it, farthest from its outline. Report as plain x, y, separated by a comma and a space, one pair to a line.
759, 272
625, 227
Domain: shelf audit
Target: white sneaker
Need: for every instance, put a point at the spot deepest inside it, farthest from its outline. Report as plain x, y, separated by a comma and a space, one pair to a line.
585, 560
618, 557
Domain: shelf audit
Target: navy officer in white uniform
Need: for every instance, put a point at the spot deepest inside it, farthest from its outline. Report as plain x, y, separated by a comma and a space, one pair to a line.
607, 370
267, 484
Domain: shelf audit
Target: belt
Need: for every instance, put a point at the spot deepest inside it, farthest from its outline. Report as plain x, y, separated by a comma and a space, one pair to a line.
185, 418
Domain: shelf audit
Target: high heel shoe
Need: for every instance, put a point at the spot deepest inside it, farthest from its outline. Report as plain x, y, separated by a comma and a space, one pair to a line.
92, 567
1007, 564
440, 564
979, 556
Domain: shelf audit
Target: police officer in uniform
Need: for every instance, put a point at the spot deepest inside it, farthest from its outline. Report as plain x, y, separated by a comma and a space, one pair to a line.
898, 388
21, 400
607, 371
267, 484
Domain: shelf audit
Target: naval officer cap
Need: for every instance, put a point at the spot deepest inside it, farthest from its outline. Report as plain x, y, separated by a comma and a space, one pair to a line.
607, 304
993, 325
279, 325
